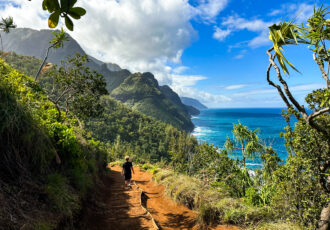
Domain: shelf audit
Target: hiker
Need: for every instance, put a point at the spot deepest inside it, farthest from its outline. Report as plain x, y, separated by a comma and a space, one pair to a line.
127, 172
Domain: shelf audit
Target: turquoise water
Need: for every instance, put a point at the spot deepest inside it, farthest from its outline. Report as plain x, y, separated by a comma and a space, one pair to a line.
214, 125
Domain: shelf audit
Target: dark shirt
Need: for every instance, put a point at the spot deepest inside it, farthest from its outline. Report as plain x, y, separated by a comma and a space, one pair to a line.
127, 167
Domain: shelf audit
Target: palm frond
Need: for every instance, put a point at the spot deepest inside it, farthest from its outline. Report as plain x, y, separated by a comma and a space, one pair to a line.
285, 33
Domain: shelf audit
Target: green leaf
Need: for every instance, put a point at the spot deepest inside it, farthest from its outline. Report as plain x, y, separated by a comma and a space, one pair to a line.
72, 2
51, 5
78, 10
68, 23
53, 19
44, 4
65, 5
74, 15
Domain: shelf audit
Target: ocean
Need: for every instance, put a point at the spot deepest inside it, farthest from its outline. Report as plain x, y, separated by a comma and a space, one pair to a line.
214, 125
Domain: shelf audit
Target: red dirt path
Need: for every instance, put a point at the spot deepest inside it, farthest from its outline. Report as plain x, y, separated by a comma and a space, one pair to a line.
120, 209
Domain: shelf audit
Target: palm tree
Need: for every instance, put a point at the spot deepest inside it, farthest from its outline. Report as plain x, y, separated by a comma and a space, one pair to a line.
247, 141
5, 25
285, 33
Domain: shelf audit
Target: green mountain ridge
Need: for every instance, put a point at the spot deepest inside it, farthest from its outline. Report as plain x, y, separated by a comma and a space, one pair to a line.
142, 92
160, 102
193, 102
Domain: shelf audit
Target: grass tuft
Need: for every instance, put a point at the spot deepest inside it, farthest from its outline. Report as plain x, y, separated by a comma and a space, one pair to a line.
60, 195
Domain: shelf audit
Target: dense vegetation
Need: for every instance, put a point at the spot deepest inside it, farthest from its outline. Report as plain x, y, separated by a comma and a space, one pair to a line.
47, 166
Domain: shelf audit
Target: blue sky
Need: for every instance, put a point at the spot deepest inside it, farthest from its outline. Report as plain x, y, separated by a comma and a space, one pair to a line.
212, 50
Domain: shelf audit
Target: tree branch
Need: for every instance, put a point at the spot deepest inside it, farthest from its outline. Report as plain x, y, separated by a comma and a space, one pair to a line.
63, 93
279, 89
43, 63
300, 108
318, 113
324, 74
308, 118
57, 107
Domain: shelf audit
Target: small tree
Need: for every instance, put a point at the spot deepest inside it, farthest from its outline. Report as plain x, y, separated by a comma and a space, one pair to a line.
5, 25
75, 89
245, 140
55, 43
315, 34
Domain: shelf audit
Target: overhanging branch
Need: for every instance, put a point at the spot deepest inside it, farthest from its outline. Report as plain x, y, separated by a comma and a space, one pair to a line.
288, 97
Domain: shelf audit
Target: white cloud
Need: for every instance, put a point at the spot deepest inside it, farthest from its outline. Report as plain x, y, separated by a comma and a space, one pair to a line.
183, 85
241, 54
307, 87
185, 80
142, 36
295, 89
209, 9
237, 23
300, 12
220, 34
303, 12
238, 86
212, 100
275, 12
180, 69
261, 40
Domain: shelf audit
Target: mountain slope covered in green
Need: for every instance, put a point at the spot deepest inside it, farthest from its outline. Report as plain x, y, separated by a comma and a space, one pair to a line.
142, 92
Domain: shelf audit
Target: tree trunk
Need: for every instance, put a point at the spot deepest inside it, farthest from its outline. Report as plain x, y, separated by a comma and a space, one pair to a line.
43, 63
324, 223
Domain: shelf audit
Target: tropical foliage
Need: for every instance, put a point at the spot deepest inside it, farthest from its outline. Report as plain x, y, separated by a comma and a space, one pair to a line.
65, 9
41, 156
302, 190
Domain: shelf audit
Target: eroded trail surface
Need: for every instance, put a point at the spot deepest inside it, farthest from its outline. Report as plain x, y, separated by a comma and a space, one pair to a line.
120, 209
116, 208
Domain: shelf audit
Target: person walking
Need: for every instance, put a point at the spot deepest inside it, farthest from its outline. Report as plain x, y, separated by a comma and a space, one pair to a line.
127, 172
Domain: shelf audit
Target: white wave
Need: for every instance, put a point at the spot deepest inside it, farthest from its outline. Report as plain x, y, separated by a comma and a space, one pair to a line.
253, 164
198, 131
201, 131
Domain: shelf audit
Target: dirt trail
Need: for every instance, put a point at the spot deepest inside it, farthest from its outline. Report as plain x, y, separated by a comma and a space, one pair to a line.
115, 208
120, 209
168, 214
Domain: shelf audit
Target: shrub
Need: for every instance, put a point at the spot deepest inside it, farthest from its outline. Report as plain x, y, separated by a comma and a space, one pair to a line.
60, 195
213, 203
